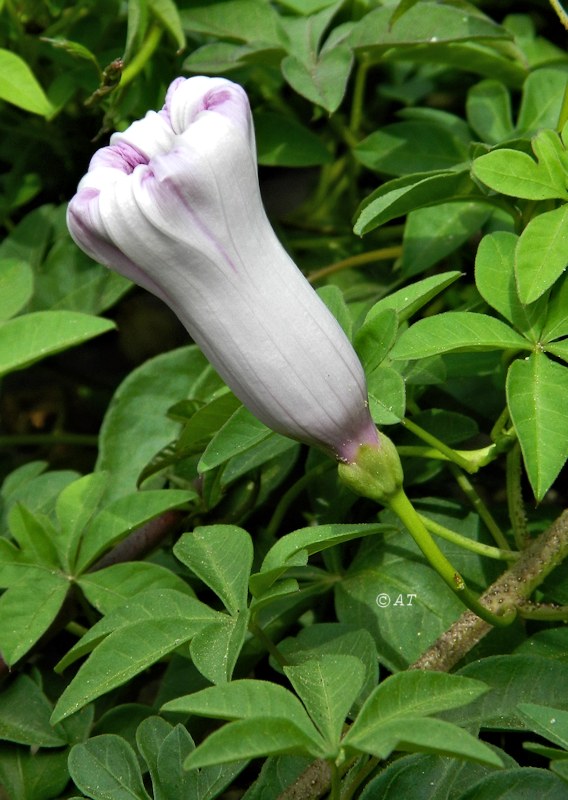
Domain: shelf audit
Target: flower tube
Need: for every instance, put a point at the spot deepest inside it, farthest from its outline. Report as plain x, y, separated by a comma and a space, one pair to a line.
173, 203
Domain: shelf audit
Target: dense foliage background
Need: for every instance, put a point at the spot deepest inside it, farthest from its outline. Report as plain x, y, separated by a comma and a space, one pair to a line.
194, 606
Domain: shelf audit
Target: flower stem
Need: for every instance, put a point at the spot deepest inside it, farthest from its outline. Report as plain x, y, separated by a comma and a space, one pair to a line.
405, 511
468, 544
469, 490
145, 53
451, 454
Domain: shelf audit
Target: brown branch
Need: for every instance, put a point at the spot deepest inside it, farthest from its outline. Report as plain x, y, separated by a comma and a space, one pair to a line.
511, 590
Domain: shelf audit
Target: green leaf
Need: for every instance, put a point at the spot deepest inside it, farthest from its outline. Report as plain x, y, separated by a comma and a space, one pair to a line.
393, 718
387, 396
536, 393
322, 81
454, 332
431, 234
488, 108
109, 588
328, 686
407, 301
517, 783
513, 679
375, 338
541, 103
306, 7
216, 648
106, 768
29, 775
75, 49
136, 424
421, 776
16, 286
281, 141
556, 315
240, 20
514, 173
412, 694
417, 734
27, 609
294, 549
19, 86
140, 634
33, 534
205, 423
252, 738
75, 507
221, 556
124, 515
331, 639
426, 22
148, 605
403, 148
175, 780
559, 349
402, 195
495, 280
541, 256
29, 338
241, 432
246, 699
552, 723
24, 715
167, 12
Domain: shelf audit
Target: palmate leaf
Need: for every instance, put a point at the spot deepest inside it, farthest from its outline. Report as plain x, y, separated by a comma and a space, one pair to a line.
328, 686
395, 716
129, 640
536, 395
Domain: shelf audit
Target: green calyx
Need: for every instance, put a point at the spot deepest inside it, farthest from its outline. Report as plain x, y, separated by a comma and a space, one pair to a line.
376, 472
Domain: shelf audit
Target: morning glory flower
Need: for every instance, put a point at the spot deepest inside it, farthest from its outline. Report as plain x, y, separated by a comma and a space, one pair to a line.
173, 203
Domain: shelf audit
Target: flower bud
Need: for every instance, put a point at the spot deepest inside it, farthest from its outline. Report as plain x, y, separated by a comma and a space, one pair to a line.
173, 203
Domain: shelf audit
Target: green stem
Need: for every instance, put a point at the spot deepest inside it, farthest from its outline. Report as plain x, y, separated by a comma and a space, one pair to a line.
358, 104
405, 511
556, 5
468, 544
335, 793
515, 498
544, 613
288, 497
145, 53
433, 441
469, 490
563, 116
500, 423
268, 644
